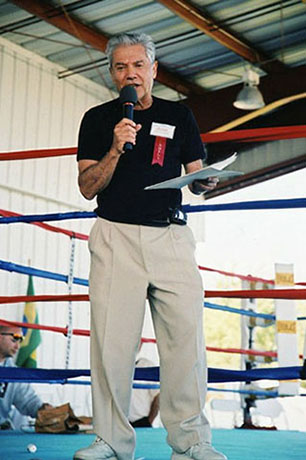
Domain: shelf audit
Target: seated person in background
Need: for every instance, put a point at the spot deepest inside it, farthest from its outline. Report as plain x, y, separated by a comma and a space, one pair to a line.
144, 402
15, 394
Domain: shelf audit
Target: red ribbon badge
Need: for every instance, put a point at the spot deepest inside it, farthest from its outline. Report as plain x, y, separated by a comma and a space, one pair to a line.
159, 150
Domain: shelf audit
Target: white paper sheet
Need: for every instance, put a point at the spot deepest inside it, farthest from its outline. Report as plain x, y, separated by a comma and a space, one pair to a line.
215, 170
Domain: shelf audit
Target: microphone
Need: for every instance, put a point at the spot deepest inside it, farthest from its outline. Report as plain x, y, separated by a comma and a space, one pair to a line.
128, 98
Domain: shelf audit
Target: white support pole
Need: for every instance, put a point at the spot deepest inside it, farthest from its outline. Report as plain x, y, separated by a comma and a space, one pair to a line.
286, 328
70, 308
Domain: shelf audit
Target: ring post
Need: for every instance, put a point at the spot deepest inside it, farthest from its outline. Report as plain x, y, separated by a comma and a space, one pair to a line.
286, 328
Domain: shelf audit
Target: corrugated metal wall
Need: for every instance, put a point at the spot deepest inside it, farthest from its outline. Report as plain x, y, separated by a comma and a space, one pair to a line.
38, 110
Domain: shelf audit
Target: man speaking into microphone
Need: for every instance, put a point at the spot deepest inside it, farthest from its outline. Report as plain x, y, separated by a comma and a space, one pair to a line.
141, 248
128, 98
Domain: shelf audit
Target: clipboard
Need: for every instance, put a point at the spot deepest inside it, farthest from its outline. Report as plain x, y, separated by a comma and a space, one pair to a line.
215, 170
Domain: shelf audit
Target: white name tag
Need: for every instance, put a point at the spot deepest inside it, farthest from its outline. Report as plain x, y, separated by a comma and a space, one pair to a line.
162, 130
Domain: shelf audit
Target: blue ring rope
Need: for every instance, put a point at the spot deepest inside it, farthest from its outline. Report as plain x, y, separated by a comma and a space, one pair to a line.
246, 205
268, 394
138, 386
12, 267
239, 311
8, 374
146, 386
249, 205
48, 217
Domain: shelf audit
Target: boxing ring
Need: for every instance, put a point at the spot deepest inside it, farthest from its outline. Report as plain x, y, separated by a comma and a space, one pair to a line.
237, 444
151, 445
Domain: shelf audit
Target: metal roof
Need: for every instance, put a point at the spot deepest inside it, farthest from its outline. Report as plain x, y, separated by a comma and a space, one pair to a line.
203, 47
271, 33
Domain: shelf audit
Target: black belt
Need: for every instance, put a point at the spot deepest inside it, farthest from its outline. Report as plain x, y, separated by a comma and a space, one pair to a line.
177, 217
156, 223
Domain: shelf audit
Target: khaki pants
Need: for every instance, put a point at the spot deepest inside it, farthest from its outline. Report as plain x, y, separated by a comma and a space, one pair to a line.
130, 263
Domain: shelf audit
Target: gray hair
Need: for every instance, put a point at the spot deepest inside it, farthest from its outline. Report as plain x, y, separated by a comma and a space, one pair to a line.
129, 39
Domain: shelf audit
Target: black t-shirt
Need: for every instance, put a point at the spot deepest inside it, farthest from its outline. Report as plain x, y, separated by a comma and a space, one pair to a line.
124, 199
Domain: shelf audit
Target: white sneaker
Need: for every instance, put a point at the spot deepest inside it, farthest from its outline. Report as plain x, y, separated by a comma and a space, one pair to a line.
201, 451
98, 450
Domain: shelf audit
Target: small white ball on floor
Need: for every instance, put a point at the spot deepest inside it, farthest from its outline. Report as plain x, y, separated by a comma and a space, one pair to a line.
31, 448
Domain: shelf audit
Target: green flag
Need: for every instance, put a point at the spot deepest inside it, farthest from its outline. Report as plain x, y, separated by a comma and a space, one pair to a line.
27, 353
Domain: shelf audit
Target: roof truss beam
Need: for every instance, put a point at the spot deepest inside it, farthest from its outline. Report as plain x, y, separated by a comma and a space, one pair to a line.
203, 22
59, 18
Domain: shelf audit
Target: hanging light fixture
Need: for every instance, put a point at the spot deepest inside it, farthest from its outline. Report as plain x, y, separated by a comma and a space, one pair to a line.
249, 98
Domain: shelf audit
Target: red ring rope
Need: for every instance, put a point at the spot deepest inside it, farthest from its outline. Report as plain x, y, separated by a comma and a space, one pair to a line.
245, 135
85, 332
245, 294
